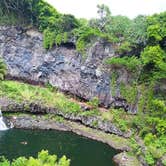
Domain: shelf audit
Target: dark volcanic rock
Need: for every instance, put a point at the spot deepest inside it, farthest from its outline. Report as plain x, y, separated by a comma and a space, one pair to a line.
62, 67
36, 108
27, 122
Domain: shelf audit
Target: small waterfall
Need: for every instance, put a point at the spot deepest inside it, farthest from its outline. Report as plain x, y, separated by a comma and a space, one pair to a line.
2, 123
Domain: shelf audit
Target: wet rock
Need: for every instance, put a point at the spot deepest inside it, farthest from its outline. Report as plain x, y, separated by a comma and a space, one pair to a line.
38, 109
28, 122
118, 102
123, 159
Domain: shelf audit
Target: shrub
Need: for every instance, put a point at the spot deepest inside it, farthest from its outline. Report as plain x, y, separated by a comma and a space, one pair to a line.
94, 102
58, 39
149, 138
164, 162
156, 30
49, 38
158, 107
130, 63
124, 47
149, 159
3, 69
153, 55
161, 127
43, 159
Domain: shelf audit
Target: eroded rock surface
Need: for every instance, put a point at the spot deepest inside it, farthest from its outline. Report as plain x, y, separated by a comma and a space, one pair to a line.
62, 67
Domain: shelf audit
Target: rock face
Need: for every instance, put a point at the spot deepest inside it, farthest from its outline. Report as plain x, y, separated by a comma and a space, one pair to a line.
62, 67
10, 106
123, 159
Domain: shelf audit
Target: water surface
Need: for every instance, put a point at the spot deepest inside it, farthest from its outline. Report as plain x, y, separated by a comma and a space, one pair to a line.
81, 151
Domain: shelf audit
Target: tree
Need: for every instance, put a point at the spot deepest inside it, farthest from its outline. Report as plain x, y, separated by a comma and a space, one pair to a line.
43, 159
156, 30
69, 22
119, 26
153, 55
153, 58
104, 16
137, 31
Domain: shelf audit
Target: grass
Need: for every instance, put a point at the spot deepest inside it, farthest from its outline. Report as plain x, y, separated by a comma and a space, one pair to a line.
119, 117
55, 118
131, 63
20, 92
113, 140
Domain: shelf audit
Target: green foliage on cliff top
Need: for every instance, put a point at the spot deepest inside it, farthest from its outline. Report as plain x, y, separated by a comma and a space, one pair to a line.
130, 63
43, 159
128, 34
40, 14
23, 92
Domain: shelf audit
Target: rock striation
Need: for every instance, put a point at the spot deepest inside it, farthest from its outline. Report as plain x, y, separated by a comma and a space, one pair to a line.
62, 67
10, 106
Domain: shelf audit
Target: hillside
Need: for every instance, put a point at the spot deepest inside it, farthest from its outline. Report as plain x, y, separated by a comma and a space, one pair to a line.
115, 65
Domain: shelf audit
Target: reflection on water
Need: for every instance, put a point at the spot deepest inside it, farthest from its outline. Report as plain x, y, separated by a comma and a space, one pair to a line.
81, 151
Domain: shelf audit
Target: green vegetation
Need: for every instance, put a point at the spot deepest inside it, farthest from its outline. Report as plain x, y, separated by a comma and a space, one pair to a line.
149, 68
3, 69
43, 159
40, 14
58, 28
141, 49
156, 28
20, 91
130, 63
154, 61
55, 118
94, 102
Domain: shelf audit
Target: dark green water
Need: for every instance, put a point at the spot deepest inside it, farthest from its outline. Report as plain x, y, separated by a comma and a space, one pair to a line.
81, 151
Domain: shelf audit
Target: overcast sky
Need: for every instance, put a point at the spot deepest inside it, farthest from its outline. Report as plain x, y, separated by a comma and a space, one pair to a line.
87, 8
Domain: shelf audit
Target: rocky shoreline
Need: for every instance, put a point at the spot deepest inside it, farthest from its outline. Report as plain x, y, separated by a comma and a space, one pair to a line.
121, 144
63, 67
29, 121
37, 108
34, 116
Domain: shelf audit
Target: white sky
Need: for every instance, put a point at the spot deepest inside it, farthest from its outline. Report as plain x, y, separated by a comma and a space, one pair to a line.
87, 8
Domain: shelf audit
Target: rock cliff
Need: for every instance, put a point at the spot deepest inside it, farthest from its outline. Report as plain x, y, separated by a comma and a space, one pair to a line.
62, 67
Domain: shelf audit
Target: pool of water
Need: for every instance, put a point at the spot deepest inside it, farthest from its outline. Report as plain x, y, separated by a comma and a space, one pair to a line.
81, 151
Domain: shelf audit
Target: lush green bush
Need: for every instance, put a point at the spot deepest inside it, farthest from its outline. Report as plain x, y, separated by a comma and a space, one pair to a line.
130, 63
49, 39
117, 118
137, 32
154, 61
42, 15
20, 92
3, 69
158, 107
94, 102
153, 55
84, 36
156, 30
124, 47
43, 159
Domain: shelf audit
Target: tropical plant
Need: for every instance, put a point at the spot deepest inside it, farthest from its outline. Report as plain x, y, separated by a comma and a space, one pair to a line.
43, 159
3, 69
